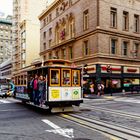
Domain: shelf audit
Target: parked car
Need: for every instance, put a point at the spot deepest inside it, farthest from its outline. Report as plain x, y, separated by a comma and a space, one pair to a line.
3, 94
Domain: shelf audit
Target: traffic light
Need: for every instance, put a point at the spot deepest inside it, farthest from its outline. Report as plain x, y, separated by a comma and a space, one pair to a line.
85, 69
108, 69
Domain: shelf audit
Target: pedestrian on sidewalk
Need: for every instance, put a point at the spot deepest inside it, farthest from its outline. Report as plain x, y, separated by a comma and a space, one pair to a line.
91, 87
100, 88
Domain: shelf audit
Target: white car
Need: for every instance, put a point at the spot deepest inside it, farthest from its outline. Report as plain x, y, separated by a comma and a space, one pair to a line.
3, 94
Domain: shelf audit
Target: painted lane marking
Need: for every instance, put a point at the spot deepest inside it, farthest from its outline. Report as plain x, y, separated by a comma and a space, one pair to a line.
13, 110
58, 130
4, 101
128, 100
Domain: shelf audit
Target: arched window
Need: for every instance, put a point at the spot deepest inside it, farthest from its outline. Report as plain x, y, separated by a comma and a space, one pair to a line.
71, 26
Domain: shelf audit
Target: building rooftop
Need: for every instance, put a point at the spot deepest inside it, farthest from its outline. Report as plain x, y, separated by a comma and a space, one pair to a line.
7, 20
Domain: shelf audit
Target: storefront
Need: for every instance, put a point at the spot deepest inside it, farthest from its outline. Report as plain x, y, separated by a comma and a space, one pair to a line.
115, 79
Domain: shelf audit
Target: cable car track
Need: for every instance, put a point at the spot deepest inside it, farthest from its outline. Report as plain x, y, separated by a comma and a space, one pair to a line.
119, 132
126, 114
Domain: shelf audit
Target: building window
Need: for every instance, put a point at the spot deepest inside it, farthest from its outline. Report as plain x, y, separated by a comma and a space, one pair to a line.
44, 22
71, 28
50, 17
86, 48
44, 35
113, 46
136, 23
57, 12
124, 48
113, 17
63, 53
50, 41
125, 20
135, 49
86, 20
50, 55
70, 52
44, 46
50, 31
1, 47
44, 57
57, 55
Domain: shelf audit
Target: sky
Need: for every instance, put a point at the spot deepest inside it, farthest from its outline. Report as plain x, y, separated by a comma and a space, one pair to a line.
6, 7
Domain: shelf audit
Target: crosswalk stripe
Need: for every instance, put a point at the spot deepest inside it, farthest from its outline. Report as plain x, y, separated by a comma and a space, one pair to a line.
132, 100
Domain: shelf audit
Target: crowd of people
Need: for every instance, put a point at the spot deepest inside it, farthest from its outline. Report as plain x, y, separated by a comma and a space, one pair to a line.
90, 88
37, 89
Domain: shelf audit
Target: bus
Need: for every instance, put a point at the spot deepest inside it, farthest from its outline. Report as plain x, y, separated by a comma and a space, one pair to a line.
63, 85
6, 87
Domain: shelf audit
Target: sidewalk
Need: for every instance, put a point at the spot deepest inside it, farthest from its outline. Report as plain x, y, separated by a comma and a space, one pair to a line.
120, 94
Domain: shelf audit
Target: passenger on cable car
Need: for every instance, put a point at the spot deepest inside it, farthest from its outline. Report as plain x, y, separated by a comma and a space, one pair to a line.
41, 89
30, 88
35, 90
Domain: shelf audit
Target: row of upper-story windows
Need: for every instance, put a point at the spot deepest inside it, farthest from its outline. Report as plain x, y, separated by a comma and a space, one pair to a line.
5, 27
5, 31
66, 30
60, 54
125, 48
6, 73
60, 9
125, 20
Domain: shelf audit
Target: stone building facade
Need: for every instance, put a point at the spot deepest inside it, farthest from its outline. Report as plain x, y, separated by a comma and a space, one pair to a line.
5, 38
6, 69
26, 32
104, 34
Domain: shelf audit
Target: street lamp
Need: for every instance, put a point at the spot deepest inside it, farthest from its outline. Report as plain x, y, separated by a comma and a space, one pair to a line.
109, 70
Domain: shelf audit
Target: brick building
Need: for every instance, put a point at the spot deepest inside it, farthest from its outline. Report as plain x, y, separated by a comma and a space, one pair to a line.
104, 34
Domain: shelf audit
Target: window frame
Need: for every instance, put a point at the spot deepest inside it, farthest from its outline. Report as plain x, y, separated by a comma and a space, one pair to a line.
136, 49
115, 46
125, 21
79, 79
65, 85
50, 71
113, 15
85, 46
136, 23
86, 20
124, 48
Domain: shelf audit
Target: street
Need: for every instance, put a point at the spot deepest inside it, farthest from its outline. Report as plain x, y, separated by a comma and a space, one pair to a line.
98, 119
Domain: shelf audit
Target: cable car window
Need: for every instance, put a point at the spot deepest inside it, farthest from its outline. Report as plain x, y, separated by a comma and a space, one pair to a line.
75, 77
54, 77
66, 77
25, 78
18, 80
22, 80
15, 80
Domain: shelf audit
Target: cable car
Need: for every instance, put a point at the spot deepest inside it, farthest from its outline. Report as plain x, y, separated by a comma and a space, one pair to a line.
62, 85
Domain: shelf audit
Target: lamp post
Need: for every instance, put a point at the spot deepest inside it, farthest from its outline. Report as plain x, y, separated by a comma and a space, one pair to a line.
109, 70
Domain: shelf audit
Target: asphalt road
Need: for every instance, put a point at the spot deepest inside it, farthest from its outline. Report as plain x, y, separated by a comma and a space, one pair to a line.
122, 111
22, 122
